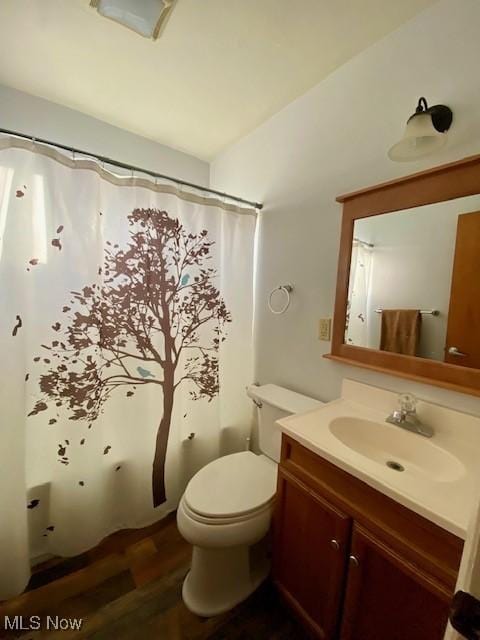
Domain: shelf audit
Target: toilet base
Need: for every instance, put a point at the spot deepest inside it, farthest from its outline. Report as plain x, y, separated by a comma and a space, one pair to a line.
222, 578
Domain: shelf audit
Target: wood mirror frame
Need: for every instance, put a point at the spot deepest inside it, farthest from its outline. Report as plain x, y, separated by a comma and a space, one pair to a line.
446, 182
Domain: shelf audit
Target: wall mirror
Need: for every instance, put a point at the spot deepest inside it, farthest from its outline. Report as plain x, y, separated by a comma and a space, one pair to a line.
408, 289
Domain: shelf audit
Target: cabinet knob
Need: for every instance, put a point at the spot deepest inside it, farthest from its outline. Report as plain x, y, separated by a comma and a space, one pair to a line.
335, 544
354, 561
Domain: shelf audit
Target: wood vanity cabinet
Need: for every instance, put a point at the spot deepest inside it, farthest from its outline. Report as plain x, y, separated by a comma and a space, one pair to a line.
310, 579
354, 564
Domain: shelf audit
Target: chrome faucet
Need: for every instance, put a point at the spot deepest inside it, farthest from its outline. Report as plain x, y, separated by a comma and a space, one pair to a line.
406, 416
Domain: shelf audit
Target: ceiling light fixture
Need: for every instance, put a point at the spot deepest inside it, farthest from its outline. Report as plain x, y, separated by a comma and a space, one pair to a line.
146, 17
426, 131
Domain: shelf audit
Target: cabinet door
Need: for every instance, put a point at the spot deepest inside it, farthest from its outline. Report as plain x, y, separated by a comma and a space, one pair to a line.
310, 554
388, 597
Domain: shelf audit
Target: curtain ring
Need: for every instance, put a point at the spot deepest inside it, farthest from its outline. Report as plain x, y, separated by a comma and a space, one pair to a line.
286, 289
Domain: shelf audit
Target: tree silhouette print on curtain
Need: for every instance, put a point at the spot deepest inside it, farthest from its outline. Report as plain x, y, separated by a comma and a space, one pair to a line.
140, 326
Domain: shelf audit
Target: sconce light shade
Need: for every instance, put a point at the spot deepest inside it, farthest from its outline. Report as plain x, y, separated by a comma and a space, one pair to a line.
425, 132
145, 17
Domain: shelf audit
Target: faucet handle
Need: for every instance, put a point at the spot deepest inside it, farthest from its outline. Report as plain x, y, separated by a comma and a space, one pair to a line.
407, 402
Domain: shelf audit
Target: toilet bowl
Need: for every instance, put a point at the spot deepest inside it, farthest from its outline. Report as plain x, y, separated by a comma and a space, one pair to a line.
226, 508
226, 511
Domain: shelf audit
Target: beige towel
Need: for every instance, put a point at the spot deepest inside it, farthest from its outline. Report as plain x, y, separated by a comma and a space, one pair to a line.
400, 331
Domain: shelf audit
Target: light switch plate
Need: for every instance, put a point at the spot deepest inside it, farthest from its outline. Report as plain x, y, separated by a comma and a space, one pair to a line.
324, 328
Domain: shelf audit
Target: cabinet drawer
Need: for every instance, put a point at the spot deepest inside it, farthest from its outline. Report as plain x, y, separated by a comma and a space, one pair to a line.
422, 542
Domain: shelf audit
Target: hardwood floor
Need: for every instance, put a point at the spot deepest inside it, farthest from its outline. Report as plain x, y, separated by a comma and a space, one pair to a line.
129, 587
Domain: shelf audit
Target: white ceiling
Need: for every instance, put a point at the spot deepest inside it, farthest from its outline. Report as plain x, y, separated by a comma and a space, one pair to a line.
220, 68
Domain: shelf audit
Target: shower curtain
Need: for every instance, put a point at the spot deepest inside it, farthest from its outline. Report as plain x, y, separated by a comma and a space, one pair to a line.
125, 336
356, 327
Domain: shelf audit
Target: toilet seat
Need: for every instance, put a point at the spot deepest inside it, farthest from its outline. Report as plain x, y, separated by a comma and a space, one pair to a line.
231, 489
227, 520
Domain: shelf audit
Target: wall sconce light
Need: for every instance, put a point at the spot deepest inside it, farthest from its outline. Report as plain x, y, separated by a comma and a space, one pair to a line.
426, 131
145, 17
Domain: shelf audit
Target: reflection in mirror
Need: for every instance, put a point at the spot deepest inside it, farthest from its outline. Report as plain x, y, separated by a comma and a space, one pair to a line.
414, 282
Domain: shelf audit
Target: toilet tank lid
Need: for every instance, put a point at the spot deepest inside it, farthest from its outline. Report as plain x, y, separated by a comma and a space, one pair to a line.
284, 399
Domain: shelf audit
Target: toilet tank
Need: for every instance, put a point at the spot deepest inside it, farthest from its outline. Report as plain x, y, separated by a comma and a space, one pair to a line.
274, 402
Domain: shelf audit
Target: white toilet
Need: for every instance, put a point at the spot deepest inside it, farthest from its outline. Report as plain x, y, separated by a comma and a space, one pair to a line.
226, 510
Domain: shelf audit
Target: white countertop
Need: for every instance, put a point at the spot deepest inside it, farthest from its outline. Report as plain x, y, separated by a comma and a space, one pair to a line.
449, 500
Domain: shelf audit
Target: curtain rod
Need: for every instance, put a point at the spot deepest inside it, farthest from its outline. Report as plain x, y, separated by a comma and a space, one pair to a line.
366, 244
131, 167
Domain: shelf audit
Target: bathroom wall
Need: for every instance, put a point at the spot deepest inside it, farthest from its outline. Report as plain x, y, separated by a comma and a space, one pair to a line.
25, 113
331, 141
334, 140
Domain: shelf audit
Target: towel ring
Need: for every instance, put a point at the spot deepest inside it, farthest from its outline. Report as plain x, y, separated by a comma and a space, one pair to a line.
286, 289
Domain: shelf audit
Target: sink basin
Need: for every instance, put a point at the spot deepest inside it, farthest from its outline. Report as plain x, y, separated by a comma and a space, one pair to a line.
437, 478
397, 449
